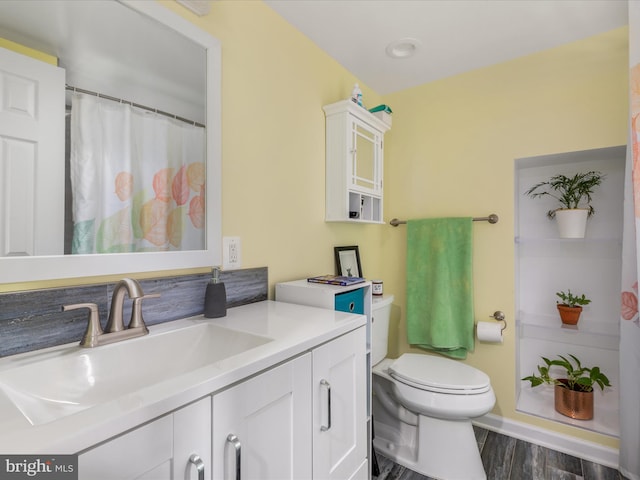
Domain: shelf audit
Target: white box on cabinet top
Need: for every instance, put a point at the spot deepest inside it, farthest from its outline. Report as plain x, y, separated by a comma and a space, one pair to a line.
354, 163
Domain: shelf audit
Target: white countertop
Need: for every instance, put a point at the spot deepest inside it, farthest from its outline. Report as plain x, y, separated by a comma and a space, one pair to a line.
293, 328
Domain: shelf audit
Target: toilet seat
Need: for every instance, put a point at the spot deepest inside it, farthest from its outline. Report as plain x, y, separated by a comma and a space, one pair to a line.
439, 375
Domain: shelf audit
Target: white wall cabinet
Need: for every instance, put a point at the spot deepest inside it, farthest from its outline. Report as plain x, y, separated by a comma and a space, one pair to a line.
162, 449
263, 425
546, 264
354, 163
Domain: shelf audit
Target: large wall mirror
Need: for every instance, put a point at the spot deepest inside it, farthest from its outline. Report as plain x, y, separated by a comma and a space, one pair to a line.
127, 123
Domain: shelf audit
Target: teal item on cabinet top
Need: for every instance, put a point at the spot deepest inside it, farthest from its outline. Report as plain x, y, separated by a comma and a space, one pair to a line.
381, 108
352, 301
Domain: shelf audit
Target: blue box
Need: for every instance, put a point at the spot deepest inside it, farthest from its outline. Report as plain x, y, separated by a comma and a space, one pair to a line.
351, 301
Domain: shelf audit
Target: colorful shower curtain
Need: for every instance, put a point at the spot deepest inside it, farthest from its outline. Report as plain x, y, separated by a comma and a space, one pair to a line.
629, 323
137, 177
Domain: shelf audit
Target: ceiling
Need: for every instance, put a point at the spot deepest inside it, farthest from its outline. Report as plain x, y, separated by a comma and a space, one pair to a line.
454, 36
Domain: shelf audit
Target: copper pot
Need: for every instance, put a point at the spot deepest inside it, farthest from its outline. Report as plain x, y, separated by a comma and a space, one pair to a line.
572, 403
569, 315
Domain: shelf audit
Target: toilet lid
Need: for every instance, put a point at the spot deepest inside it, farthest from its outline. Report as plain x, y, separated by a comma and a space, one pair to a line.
438, 374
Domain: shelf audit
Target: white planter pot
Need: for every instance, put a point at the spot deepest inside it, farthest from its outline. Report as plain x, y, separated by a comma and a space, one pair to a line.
572, 223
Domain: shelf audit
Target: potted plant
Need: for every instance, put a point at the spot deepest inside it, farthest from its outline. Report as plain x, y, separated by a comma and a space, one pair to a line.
573, 393
571, 306
574, 195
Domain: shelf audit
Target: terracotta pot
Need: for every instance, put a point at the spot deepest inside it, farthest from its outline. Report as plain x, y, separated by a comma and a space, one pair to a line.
574, 404
569, 315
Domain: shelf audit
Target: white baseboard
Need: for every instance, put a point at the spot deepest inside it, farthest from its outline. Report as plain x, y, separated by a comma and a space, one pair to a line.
590, 451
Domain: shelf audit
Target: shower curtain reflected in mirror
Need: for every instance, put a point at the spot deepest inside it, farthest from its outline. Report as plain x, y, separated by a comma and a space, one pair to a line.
138, 179
630, 322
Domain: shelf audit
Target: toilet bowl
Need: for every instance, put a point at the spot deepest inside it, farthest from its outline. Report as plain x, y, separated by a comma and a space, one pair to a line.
423, 405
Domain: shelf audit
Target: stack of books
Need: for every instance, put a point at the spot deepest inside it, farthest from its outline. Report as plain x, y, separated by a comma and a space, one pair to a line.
336, 280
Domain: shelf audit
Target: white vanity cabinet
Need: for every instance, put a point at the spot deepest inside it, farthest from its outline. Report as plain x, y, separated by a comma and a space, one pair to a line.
294, 406
263, 425
354, 163
303, 419
173, 447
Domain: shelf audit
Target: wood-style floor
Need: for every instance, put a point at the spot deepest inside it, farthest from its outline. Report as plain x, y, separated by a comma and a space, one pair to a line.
507, 458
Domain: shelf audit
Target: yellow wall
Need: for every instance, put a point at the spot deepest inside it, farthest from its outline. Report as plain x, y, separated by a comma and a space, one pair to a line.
274, 84
450, 152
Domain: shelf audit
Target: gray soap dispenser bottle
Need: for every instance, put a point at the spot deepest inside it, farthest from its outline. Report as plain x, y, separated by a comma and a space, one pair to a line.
215, 297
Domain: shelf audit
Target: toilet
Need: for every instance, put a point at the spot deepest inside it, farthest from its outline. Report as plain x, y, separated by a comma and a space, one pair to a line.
423, 405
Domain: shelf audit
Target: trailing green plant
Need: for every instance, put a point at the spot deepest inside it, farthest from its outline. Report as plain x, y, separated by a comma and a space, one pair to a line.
571, 300
570, 192
578, 378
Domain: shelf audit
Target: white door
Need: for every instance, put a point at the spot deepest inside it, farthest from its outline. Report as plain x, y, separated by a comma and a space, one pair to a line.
31, 156
263, 426
340, 407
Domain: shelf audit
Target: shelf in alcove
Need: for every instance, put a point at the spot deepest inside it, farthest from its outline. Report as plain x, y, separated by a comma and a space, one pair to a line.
583, 249
538, 401
602, 241
550, 328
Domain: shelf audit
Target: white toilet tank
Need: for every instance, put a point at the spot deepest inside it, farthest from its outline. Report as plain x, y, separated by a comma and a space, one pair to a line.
380, 314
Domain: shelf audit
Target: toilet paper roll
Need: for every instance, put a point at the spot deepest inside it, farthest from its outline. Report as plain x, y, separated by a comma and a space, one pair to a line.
489, 332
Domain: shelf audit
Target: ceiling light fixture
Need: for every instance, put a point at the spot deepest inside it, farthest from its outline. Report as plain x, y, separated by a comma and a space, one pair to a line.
403, 48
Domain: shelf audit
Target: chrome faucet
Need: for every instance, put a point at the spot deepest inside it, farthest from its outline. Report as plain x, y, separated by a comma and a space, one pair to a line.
115, 329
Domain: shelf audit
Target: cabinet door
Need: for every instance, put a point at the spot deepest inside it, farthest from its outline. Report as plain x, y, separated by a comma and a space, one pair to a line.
192, 441
144, 452
265, 422
159, 450
340, 407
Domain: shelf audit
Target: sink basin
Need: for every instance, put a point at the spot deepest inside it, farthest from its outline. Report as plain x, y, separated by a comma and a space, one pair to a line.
75, 379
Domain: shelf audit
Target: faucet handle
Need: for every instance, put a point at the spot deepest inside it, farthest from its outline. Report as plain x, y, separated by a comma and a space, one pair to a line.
136, 311
94, 329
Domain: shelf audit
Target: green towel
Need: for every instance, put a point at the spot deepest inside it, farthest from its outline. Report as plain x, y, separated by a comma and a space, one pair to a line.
440, 285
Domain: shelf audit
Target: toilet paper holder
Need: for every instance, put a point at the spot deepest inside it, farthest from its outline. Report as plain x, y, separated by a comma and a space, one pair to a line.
499, 316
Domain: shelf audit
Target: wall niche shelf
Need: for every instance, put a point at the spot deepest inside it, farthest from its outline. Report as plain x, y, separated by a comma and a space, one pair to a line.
600, 334
546, 264
539, 402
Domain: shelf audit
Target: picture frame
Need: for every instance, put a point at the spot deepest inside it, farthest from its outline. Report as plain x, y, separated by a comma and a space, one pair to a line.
348, 261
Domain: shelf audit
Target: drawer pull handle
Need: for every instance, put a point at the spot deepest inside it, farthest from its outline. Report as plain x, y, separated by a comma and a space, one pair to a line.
199, 464
324, 383
235, 441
